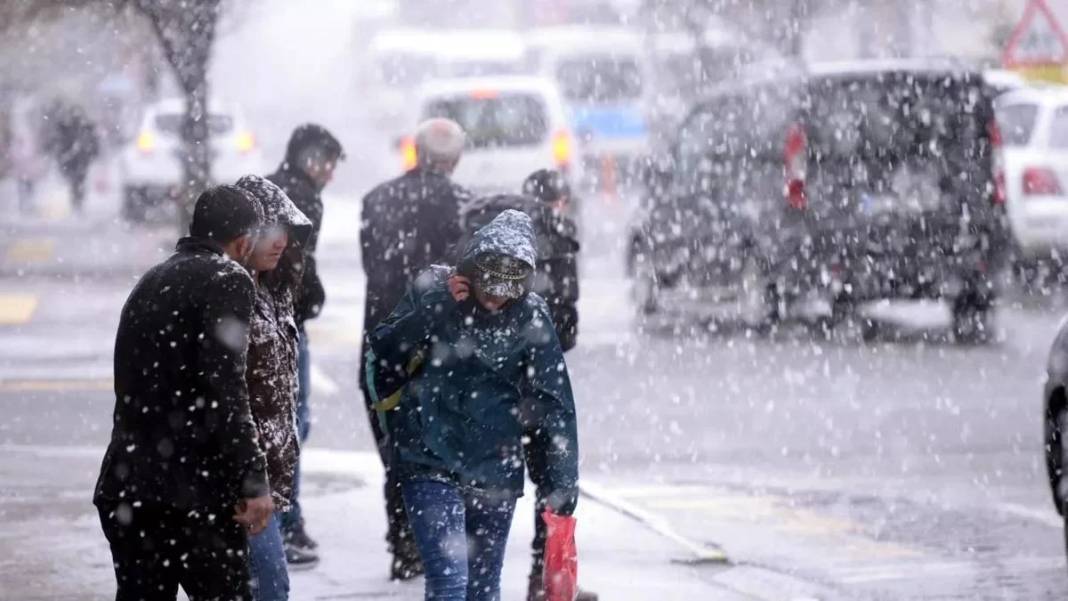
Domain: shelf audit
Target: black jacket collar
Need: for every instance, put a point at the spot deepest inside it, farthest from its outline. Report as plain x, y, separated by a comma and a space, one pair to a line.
193, 244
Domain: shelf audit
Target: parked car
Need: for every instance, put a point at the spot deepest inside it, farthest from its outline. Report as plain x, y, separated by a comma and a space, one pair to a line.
151, 166
1034, 126
844, 183
1055, 418
514, 126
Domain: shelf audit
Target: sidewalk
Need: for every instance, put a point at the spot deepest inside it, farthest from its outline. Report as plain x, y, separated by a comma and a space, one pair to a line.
51, 547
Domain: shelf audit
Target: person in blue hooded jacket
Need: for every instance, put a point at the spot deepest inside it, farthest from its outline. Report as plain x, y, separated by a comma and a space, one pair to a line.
453, 371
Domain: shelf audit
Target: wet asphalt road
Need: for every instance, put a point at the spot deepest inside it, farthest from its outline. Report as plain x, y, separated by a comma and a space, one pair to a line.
907, 468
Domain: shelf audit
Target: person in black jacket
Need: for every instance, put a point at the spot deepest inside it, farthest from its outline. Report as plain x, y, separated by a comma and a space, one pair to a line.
408, 224
311, 157
183, 481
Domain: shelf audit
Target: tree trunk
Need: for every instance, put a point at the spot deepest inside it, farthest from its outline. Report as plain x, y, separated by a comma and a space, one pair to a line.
196, 159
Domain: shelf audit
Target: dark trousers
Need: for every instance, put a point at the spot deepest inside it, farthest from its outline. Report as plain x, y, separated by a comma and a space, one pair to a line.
76, 176
155, 550
294, 518
536, 453
399, 532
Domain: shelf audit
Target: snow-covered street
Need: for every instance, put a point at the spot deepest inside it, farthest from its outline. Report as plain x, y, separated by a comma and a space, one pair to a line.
905, 468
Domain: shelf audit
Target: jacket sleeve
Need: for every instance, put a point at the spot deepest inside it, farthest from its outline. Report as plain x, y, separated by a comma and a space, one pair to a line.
312, 294
548, 383
391, 345
221, 366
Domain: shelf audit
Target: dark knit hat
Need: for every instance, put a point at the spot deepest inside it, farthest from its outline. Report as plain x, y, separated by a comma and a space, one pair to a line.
224, 213
547, 185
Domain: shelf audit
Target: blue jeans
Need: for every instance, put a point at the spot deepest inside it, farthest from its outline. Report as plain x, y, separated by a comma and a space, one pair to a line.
267, 564
461, 537
291, 519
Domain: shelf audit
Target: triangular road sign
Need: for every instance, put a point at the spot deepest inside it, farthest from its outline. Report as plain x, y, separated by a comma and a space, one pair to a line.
1037, 40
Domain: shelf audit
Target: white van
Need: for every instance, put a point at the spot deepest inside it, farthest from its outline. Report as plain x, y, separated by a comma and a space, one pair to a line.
399, 61
601, 74
515, 125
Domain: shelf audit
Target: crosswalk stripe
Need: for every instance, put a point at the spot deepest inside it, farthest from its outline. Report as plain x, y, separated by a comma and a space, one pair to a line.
31, 250
45, 385
17, 308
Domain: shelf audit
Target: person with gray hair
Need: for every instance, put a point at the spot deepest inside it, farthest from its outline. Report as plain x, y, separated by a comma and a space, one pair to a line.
408, 224
439, 143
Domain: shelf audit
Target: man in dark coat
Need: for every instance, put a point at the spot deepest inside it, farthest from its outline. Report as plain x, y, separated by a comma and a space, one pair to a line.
406, 225
311, 157
183, 480
74, 143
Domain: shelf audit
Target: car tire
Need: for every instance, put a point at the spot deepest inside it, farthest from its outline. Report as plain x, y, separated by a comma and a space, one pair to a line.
847, 321
134, 204
759, 303
971, 319
645, 287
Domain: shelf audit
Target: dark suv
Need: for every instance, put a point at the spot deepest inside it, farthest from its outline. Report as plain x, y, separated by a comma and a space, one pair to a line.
840, 184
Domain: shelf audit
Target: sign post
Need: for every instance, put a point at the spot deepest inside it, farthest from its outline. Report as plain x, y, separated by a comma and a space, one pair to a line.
1038, 46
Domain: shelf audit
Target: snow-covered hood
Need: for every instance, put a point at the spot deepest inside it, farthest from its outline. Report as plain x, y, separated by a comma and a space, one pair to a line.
511, 233
278, 208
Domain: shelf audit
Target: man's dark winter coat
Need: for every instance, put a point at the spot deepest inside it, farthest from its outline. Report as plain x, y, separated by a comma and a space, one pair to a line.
183, 435
408, 224
556, 275
308, 197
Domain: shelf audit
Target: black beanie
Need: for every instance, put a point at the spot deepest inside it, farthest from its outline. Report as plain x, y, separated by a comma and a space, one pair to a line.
312, 135
224, 213
547, 185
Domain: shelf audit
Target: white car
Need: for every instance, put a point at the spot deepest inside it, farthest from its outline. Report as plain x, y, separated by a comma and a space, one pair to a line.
1034, 129
151, 168
514, 125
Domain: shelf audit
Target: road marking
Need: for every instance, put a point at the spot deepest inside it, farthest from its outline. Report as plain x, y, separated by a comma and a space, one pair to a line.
46, 385
699, 553
31, 250
17, 309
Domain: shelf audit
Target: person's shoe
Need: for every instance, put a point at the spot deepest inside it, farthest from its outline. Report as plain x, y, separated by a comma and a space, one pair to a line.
405, 568
536, 592
300, 559
298, 537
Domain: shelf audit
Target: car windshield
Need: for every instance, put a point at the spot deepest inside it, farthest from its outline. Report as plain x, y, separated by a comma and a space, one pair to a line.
495, 120
172, 123
599, 79
1017, 123
1058, 133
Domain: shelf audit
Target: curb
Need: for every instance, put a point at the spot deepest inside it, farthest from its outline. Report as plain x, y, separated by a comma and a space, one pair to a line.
697, 553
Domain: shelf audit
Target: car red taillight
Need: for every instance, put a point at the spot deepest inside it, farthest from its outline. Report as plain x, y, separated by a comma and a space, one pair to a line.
997, 162
1041, 181
795, 163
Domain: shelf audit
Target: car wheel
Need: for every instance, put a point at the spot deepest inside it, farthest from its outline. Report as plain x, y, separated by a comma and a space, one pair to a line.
134, 204
758, 302
847, 322
645, 287
971, 319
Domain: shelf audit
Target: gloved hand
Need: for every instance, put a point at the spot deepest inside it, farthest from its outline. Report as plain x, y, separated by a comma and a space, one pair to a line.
563, 501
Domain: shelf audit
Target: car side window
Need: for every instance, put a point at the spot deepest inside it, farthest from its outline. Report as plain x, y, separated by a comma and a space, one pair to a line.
1058, 133
1017, 122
